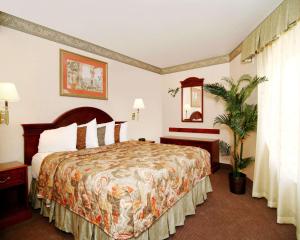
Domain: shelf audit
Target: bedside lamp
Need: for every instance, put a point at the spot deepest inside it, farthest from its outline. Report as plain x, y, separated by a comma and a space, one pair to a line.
8, 93
138, 104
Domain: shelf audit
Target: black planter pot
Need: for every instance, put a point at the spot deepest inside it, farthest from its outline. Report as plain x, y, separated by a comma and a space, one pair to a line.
237, 184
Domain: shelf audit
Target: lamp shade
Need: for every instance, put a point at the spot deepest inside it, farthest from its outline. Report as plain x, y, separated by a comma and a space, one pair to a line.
187, 106
8, 92
138, 103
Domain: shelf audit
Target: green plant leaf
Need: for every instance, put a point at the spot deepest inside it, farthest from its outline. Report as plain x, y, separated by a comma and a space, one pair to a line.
243, 163
173, 92
224, 148
239, 116
217, 90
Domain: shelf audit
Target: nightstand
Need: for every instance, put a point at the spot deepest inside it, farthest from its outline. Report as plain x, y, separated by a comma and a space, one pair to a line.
13, 193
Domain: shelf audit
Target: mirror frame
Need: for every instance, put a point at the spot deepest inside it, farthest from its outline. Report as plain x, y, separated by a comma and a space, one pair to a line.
192, 82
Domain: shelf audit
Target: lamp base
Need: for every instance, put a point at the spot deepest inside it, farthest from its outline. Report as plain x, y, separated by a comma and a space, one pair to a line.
4, 115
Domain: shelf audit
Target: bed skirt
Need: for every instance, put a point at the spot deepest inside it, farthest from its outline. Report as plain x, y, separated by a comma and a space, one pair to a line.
70, 222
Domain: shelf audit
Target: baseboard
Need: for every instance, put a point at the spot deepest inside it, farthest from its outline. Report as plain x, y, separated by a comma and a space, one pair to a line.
229, 167
226, 166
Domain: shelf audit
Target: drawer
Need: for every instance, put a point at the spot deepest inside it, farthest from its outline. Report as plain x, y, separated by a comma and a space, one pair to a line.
203, 145
13, 177
177, 142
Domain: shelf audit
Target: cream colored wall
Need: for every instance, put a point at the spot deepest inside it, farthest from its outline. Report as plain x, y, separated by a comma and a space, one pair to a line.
212, 108
32, 64
236, 70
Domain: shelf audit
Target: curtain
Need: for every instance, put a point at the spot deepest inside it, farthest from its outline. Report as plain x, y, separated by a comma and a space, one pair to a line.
279, 21
277, 166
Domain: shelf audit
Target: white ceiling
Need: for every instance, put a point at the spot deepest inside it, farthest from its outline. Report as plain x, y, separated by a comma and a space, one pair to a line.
160, 32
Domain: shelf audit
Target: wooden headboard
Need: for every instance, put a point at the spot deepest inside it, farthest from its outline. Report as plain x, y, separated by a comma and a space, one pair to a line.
79, 115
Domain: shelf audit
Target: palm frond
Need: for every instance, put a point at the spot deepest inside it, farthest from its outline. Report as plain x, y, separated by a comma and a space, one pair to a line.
217, 90
248, 89
173, 92
248, 122
244, 78
239, 116
223, 119
224, 148
230, 81
243, 163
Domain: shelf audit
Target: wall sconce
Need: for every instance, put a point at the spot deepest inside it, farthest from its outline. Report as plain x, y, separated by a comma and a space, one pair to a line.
8, 93
138, 104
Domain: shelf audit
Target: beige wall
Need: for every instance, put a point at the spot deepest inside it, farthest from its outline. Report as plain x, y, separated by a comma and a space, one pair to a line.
32, 64
212, 108
236, 70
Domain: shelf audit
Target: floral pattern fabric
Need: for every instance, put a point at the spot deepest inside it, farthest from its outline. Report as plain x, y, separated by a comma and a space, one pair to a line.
125, 187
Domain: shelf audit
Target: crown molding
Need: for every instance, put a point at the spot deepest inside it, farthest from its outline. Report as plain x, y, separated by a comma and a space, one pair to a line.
196, 64
34, 29
25, 26
235, 52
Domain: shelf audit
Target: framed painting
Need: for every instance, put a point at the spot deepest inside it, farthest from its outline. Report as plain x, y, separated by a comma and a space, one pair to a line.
196, 96
82, 76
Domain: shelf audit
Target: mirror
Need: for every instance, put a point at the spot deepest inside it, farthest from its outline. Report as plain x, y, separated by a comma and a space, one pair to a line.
192, 100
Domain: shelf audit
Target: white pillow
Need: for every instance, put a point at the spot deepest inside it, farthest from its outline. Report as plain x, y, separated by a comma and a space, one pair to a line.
124, 132
91, 139
59, 139
109, 132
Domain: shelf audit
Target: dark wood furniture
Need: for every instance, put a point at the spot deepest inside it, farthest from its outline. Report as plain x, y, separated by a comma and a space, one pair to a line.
13, 193
211, 145
79, 115
190, 83
195, 130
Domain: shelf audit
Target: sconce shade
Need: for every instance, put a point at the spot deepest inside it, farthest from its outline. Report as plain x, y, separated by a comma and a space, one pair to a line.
138, 103
187, 107
8, 92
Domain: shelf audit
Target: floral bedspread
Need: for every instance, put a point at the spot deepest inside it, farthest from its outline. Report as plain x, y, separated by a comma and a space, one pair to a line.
122, 188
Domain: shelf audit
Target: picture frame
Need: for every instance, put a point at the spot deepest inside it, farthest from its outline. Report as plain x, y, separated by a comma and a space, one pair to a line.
196, 97
82, 76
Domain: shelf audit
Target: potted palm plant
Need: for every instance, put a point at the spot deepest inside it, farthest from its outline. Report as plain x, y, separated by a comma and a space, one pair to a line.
241, 118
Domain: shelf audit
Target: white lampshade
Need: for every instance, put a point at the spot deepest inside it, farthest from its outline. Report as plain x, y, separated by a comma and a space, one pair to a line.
138, 103
187, 107
8, 92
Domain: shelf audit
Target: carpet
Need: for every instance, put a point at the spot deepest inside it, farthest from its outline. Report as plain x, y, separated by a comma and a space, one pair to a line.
223, 216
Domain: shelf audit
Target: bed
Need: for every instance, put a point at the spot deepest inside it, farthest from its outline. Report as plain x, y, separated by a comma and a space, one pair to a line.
128, 190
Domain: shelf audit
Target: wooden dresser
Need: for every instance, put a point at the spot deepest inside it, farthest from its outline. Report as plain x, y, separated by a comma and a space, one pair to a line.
211, 145
13, 193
